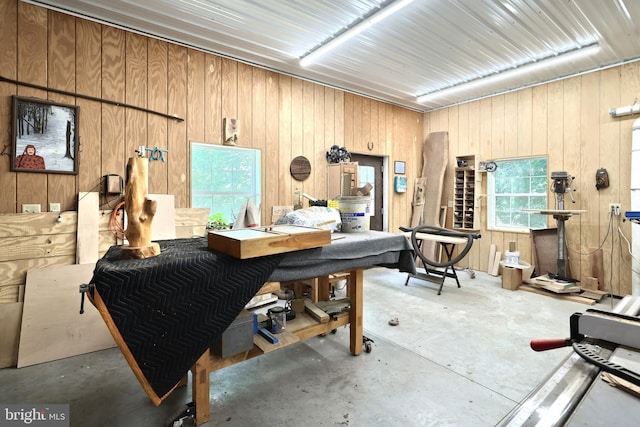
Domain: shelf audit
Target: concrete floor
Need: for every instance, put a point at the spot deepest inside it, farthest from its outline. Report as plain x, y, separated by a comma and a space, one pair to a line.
457, 359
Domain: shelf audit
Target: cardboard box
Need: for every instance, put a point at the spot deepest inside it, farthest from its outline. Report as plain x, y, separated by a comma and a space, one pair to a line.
511, 278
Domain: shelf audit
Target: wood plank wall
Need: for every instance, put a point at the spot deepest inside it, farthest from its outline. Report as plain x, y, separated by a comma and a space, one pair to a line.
569, 121
283, 116
32, 241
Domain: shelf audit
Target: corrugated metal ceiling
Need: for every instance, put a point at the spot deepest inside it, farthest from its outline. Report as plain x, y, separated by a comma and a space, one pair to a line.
428, 45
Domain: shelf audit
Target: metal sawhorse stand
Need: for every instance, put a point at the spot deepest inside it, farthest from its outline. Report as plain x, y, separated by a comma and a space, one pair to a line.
447, 239
431, 274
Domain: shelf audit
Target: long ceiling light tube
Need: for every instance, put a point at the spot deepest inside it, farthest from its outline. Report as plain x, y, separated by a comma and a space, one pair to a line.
513, 72
336, 41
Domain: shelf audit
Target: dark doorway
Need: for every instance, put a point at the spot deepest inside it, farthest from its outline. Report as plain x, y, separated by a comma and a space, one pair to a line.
370, 171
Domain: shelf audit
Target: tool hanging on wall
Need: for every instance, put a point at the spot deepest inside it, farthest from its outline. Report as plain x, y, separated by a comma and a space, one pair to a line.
602, 178
156, 153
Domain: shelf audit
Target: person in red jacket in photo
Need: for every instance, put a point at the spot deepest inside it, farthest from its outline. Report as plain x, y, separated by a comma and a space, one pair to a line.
29, 160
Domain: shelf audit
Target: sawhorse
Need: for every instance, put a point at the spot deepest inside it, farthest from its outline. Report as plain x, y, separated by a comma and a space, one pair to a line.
448, 243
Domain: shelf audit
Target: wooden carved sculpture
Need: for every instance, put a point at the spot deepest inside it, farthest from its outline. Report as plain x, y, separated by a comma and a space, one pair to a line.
140, 212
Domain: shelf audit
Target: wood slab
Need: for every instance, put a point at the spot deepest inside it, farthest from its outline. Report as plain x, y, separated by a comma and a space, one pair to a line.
595, 295
315, 312
52, 326
418, 201
555, 286
434, 164
590, 283
254, 242
285, 338
568, 297
495, 268
492, 256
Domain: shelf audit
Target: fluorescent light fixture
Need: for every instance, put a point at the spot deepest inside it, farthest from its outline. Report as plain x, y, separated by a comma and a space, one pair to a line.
529, 67
336, 41
625, 111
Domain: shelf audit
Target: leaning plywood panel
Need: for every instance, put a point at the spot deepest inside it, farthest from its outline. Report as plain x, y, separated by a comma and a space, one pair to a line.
52, 326
10, 315
87, 237
163, 226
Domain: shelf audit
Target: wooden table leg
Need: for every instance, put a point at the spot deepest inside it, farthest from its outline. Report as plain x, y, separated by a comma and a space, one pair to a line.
200, 387
324, 288
184, 381
356, 280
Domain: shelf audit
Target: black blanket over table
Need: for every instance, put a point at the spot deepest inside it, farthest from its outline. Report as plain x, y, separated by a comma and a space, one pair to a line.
169, 308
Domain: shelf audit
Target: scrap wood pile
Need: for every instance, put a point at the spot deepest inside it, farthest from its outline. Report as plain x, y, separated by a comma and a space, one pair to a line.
586, 294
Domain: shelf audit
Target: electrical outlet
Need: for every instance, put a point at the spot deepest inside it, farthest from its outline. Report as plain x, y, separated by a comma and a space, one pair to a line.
54, 207
30, 208
614, 208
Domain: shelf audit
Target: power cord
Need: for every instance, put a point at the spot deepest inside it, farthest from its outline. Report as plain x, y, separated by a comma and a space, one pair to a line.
609, 231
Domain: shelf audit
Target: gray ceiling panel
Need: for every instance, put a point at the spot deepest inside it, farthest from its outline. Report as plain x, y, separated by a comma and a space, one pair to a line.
427, 46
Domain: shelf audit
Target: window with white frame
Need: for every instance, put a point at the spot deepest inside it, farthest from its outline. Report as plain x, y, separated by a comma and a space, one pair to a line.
223, 178
517, 184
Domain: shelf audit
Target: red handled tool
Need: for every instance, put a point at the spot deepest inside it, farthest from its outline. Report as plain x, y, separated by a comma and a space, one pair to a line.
550, 344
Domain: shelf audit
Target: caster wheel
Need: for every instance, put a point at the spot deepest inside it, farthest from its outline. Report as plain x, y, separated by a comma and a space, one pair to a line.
334, 331
367, 347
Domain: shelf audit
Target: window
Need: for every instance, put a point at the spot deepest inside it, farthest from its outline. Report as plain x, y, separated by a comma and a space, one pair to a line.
223, 178
517, 184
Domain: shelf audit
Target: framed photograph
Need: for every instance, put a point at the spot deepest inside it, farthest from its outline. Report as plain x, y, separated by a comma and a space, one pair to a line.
398, 167
44, 136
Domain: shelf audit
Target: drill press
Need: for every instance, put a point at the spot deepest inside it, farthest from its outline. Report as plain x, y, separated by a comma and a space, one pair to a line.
562, 184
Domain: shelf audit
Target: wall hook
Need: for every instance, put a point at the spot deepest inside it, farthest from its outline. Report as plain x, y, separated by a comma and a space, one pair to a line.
4, 150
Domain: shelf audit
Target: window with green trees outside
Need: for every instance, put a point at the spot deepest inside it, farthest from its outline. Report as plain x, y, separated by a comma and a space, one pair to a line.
223, 178
517, 184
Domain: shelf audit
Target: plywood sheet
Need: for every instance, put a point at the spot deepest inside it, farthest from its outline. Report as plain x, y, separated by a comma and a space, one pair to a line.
164, 222
87, 236
52, 327
163, 226
10, 316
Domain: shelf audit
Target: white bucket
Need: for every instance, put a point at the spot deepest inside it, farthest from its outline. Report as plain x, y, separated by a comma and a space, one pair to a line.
512, 258
354, 213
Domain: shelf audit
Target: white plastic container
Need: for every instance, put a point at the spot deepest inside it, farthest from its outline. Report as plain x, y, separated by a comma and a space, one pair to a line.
512, 258
354, 213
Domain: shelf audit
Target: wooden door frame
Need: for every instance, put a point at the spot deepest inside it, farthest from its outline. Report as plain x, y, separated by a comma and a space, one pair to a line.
385, 187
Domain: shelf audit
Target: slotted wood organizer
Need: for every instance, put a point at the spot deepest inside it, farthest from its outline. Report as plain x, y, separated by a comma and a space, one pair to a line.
254, 242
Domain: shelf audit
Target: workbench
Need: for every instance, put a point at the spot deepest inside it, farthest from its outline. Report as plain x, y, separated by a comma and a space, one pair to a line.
165, 312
